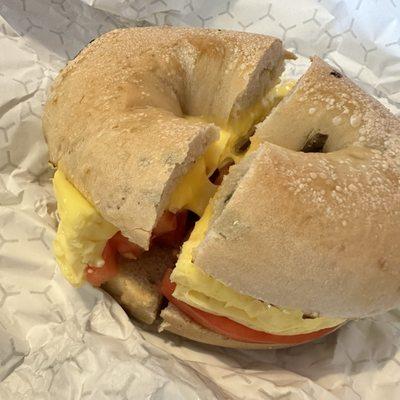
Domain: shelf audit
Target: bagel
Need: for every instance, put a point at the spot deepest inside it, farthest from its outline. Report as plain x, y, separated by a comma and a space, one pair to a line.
279, 208
330, 218
150, 77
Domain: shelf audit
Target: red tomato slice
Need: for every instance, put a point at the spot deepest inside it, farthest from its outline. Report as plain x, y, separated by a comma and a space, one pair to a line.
232, 329
174, 238
167, 223
170, 228
98, 276
124, 247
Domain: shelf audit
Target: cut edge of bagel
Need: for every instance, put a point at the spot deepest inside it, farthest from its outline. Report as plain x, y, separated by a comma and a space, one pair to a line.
263, 79
135, 287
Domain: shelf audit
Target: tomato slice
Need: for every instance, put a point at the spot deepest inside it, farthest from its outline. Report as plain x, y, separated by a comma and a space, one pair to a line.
170, 231
174, 237
232, 329
124, 247
98, 276
117, 244
167, 223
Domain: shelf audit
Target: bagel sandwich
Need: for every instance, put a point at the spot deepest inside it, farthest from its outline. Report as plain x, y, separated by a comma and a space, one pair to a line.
265, 212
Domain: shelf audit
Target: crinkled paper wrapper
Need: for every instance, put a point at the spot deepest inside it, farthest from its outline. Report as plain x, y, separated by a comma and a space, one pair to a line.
57, 342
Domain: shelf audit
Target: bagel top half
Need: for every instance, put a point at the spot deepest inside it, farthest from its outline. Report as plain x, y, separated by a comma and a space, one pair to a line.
311, 220
114, 121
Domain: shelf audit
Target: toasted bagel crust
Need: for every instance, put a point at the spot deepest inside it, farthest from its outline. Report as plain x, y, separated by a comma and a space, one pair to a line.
114, 119
317, 232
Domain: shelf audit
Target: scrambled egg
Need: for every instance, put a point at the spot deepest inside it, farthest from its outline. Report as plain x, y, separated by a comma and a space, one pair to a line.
82, 232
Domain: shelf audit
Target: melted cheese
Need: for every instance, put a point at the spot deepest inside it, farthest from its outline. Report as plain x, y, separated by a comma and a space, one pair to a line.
194, 189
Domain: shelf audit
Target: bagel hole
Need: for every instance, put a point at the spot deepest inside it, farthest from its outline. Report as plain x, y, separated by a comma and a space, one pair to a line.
315, 142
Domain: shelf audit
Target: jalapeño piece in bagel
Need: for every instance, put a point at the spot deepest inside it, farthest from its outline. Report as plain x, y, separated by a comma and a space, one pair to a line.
183, 170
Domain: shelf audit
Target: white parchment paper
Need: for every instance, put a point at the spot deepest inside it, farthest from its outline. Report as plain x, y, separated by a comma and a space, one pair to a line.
57, 342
